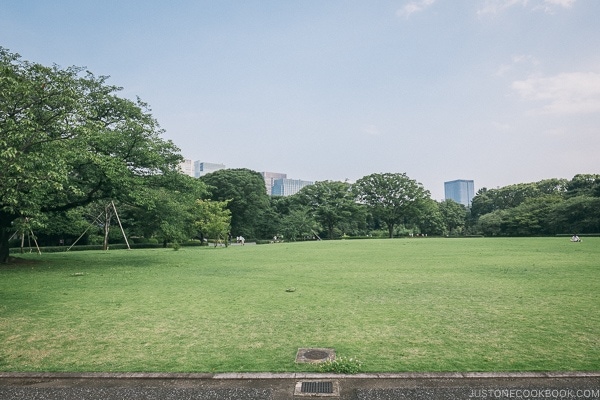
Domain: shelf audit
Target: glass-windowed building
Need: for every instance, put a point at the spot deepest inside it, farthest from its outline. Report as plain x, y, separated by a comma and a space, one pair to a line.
288, 187
270, 178
461, 191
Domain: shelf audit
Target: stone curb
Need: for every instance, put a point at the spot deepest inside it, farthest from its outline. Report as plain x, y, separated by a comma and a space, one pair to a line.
268, 375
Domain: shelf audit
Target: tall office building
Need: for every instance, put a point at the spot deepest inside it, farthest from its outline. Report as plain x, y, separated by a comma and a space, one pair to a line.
203, 168
461, 191
187, 167
288, 187
269, 178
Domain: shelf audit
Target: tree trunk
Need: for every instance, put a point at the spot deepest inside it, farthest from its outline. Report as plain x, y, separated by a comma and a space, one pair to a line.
390, 230
5, 233
4, 250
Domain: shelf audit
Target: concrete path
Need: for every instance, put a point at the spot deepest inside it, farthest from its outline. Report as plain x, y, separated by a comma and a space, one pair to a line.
443, 386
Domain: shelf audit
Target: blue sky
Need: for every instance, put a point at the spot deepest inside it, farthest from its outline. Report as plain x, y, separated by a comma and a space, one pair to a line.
498, 91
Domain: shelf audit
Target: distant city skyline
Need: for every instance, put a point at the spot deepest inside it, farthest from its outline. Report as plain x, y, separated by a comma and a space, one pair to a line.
278, 184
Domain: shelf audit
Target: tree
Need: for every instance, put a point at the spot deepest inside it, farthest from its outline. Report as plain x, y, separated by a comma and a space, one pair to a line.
166, 208
298, 224
67, 139
432, 221
213, 219
248, 200
584, 185
394, 198
331, 203
453, 215
580, 214
491, 224
482, 203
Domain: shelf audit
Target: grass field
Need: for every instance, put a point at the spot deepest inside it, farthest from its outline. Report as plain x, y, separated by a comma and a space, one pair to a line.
397, 305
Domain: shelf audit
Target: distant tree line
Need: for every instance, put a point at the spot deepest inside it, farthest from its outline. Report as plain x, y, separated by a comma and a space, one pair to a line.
233, 202
388, 205
547, 207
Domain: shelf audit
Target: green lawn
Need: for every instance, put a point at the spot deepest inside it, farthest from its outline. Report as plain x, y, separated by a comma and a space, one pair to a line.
397, 305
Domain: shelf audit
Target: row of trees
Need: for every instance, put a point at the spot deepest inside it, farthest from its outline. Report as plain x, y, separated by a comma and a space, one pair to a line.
386, 204
547, 207
398, 205
234, 201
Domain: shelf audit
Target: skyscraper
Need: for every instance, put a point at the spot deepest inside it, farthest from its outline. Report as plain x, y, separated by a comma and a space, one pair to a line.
461, 191
269, 178
288, 187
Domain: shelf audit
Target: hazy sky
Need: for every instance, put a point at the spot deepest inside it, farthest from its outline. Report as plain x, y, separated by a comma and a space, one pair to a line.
498, 91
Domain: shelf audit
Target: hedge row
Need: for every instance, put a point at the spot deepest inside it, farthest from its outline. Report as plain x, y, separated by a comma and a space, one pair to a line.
119, 246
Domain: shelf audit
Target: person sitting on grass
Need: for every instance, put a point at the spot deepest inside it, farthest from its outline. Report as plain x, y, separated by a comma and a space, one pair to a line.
575, 238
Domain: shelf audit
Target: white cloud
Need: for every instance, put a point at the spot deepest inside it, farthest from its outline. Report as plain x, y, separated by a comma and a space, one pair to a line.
563, 3
549, 6
567, 93
497, 6
413, 7
517, 62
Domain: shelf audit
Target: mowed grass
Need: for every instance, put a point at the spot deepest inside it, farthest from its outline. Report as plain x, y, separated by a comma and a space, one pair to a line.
527, 304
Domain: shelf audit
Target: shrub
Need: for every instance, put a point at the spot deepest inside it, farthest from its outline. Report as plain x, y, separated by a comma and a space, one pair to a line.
342, 365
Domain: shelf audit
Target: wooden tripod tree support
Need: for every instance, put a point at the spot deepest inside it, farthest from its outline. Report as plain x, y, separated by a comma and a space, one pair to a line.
107, 211
30, 235
120, 226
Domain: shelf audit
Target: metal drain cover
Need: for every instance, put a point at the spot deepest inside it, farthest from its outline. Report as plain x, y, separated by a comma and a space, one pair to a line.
317, 388
315, 355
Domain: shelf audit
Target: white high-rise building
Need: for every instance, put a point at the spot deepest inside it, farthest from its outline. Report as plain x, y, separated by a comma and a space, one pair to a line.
203, 168
187, 167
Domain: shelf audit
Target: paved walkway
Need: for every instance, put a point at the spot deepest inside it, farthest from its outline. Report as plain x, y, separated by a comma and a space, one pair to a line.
420, 386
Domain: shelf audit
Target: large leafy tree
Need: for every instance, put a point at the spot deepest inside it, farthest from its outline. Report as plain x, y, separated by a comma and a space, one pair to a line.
298, 224
453, 215
393, 198
166, 209
432, 221
247, 198
67, 139
332, 204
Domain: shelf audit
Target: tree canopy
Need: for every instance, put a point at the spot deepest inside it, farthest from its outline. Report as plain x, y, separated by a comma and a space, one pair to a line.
394, 198
247, 198
67, 139
331, 203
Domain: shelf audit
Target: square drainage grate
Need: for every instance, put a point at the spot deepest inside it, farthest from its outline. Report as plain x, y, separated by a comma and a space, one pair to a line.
317, 388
